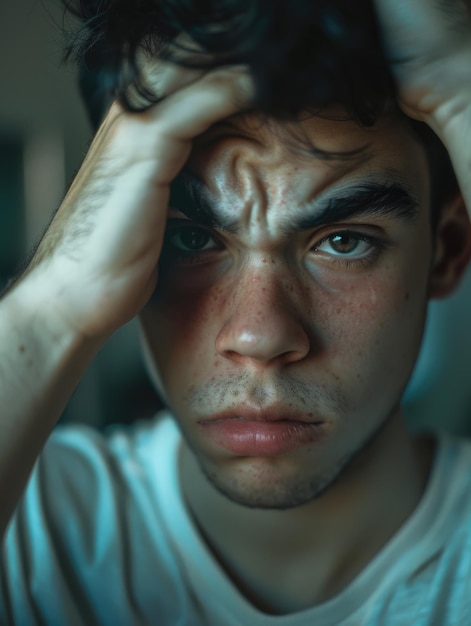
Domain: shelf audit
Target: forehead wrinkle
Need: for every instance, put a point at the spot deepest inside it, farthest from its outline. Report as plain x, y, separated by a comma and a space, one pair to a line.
243, 206
299, 144
190, 196
254, 191
359, 155
292, 136
302, 146
233, 210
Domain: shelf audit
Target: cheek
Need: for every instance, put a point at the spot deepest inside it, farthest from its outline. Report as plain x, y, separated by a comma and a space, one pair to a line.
180, 327
373, 327
365, 328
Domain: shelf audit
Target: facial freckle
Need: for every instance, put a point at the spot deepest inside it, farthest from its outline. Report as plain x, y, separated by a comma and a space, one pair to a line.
407, 296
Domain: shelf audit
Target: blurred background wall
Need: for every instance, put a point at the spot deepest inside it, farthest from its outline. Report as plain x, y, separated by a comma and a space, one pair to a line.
44, 135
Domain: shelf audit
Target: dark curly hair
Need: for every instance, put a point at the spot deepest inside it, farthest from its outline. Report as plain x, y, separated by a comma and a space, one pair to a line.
302, 54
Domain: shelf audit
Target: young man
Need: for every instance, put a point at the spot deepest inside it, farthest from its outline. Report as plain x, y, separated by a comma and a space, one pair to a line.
282, 296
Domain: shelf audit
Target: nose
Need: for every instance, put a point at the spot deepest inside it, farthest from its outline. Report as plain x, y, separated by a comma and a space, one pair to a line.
262, 324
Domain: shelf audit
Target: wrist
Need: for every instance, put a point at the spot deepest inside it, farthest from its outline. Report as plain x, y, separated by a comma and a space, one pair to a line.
33, 313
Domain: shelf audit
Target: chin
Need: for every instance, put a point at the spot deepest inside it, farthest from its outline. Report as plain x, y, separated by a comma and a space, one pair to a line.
263, 488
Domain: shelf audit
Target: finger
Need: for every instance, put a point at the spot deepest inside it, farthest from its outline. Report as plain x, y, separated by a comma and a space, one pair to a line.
162, 135
190, 111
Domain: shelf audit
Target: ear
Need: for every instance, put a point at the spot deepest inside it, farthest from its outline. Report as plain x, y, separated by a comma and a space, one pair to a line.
452, 248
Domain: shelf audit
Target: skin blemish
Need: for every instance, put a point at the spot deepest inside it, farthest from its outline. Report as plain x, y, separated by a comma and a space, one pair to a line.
21, 349
373, 297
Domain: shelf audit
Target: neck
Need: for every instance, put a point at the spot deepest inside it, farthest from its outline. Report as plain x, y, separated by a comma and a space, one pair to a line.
364, 507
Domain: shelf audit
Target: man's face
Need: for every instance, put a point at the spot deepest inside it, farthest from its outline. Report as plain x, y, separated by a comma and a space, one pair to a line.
291, 299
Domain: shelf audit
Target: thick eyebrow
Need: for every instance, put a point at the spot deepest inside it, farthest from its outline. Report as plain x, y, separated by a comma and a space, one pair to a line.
367, 199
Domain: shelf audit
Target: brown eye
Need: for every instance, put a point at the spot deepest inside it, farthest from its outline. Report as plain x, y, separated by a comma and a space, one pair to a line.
347, 244
344, 243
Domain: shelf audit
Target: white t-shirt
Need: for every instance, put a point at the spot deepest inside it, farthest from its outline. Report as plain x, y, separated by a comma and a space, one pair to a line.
103, 537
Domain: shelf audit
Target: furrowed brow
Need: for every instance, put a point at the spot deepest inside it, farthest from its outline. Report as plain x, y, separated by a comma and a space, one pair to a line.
369, 199
188, 197
366, 200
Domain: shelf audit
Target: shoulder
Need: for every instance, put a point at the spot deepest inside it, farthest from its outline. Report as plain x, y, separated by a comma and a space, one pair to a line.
89, 477
89, 535
79, 446
87, 489
80, 462
442, 550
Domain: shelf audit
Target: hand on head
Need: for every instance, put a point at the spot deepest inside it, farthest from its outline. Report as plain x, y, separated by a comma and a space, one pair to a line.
98, 259
428, 44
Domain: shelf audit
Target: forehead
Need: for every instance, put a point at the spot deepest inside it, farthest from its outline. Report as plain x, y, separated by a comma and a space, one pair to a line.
304, 156
266, 179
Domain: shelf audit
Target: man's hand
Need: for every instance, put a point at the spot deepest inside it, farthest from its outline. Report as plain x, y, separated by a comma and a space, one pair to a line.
97, 263
96, 267
428, 43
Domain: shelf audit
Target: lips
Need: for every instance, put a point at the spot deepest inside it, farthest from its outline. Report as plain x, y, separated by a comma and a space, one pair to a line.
271, 431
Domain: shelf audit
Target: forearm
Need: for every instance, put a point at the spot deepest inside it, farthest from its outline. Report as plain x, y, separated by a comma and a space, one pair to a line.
96, 267
40, 365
